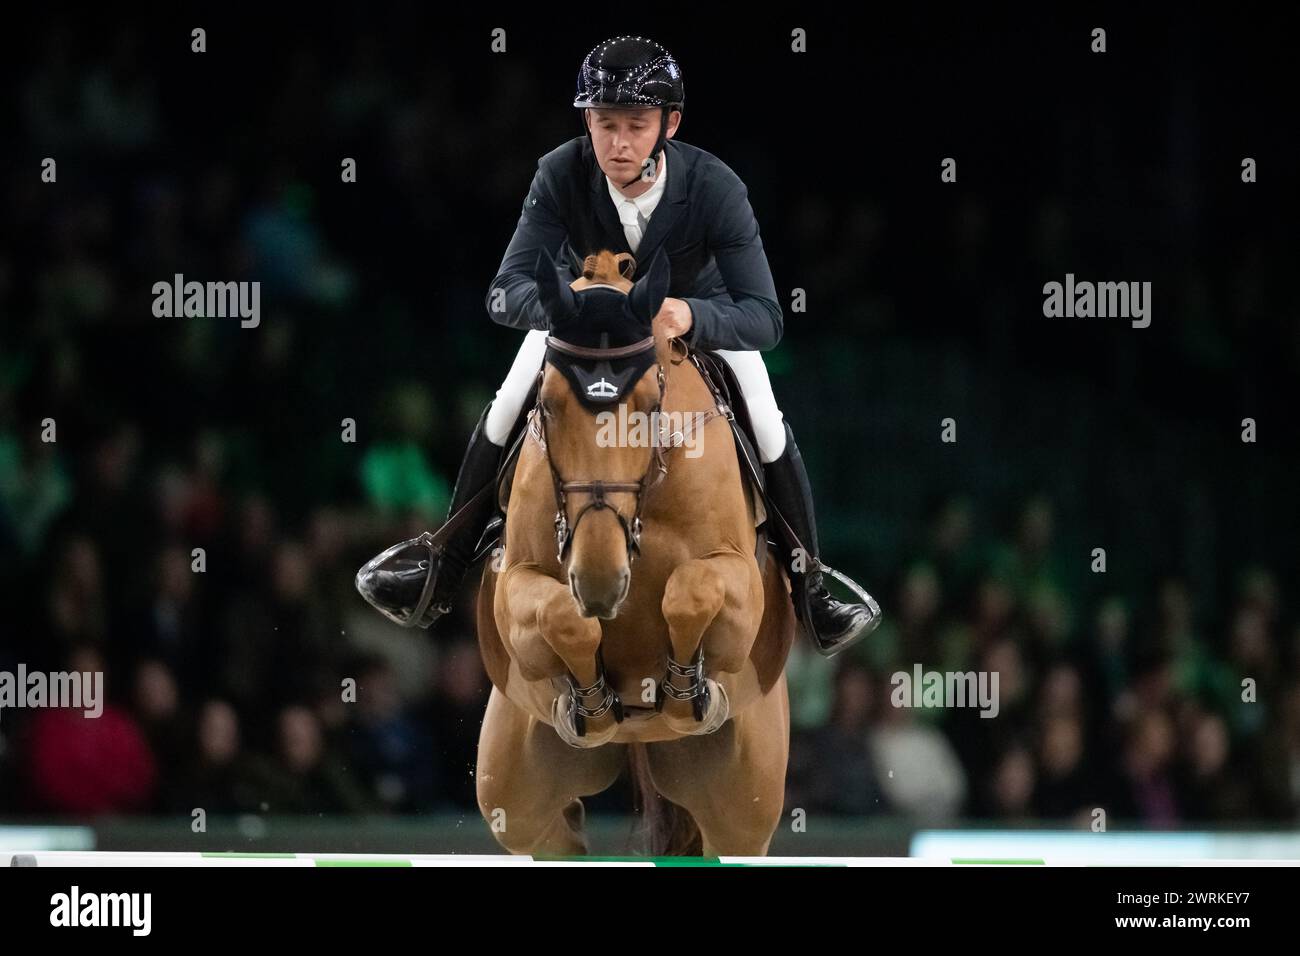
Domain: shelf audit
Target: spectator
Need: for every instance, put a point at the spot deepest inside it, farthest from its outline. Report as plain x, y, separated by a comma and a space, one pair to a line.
391, 753
84, 765
919, 772
308, 778
830, 767
219, 776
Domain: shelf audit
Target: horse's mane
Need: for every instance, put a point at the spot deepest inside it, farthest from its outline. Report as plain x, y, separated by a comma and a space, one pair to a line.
607, 268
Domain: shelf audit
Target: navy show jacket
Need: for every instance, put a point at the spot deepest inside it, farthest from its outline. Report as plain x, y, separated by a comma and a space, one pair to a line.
703, 221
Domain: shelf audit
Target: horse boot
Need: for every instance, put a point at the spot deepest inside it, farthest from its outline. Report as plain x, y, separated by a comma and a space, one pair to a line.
832, 624
709, 701
403, 582
570, 711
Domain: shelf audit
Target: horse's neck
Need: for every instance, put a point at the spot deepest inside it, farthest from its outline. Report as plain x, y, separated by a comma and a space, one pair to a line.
688, 396
686, 390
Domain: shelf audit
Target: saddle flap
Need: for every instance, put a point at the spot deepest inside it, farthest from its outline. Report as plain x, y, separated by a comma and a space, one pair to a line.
721, 381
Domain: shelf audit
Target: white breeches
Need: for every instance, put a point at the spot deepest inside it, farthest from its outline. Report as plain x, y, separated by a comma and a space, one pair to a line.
769, 428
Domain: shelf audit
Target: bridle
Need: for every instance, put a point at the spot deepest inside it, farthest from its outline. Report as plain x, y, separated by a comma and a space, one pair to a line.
656, 471
598, 488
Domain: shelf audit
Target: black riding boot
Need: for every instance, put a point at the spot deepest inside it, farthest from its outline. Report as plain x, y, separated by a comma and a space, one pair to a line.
833, 625
396, 586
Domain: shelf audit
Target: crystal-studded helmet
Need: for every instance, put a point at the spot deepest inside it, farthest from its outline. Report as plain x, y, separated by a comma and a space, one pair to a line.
629, 72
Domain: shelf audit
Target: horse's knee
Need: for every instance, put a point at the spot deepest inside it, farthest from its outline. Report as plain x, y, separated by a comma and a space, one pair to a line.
567, 631
693, 595
511, 823
523, 828
535, 658
696, 608
515, 830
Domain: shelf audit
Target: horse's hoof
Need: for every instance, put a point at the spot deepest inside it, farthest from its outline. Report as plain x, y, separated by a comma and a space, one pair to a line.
719, 708
563, 720
717, 713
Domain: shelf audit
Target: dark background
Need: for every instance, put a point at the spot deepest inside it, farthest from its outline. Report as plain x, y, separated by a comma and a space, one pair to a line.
924, 302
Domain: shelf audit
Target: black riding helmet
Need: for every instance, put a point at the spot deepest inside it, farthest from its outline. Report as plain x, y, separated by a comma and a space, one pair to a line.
631, 73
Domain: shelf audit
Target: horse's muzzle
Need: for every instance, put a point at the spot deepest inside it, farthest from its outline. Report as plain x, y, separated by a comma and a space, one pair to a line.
603, 600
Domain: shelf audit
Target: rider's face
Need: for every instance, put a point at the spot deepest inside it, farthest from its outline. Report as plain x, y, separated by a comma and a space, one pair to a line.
623, 138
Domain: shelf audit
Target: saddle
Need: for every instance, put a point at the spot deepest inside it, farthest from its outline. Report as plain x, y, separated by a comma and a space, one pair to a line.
730, 401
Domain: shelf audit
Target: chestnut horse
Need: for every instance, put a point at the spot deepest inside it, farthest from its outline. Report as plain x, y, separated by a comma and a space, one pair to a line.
625, 621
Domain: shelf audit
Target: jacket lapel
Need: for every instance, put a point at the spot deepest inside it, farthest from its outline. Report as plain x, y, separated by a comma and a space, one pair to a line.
669, 210
665, 216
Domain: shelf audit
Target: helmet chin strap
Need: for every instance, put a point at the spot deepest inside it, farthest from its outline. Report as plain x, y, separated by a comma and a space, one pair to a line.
659, 145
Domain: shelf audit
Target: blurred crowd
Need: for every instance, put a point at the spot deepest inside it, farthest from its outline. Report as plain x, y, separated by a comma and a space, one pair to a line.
1144, 708
264, 684
194, 528
261, 684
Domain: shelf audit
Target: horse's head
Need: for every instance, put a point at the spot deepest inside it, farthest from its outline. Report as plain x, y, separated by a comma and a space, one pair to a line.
600, 389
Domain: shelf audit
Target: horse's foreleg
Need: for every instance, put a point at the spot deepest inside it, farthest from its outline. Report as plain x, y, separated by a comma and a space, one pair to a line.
709, 607
551, 639
731, 782
518, 595
529, 783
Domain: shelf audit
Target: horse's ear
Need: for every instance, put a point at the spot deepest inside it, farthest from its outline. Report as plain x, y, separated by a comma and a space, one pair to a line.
552, 289
648, 292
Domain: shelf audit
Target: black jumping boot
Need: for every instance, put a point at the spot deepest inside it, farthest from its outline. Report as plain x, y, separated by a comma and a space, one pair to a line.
833, 625
399, 582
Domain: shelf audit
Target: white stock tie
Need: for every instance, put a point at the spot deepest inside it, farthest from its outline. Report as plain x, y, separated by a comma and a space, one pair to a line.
633, 223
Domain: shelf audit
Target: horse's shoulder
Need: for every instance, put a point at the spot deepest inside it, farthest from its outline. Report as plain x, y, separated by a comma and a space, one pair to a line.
496, 659
776, 631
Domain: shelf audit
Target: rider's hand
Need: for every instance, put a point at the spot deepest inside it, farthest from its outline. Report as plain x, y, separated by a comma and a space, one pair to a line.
674, 318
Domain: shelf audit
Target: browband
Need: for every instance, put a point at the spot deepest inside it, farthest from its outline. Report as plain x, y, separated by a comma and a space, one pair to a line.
582, 351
